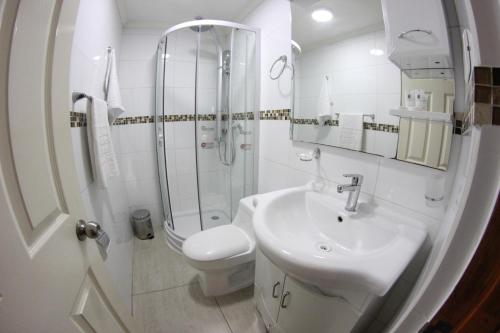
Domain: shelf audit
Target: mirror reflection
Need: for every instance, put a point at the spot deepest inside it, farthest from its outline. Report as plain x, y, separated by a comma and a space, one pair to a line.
350, 92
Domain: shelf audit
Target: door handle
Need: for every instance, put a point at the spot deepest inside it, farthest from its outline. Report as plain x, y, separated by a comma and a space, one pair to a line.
93, 230
274, 289
285, 295
89, 229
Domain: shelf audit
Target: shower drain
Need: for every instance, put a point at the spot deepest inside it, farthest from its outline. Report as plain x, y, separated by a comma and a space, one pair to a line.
324, 247
215, 217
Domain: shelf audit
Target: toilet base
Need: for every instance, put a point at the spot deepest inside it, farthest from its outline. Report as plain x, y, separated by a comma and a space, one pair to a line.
223, 281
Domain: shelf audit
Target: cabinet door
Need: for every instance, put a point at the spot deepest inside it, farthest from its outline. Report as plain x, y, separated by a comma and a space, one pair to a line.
416, 32
269, 281
305, 310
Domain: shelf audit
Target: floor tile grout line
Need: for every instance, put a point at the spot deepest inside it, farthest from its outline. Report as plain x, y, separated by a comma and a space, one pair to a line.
223, 315
164, 289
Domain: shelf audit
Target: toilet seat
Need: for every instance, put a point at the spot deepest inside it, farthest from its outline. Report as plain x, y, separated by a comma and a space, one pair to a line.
219, 248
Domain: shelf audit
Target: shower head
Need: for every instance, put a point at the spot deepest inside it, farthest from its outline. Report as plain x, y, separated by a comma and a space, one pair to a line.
200, 28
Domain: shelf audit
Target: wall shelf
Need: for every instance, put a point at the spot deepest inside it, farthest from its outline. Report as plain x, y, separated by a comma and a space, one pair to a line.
425, 115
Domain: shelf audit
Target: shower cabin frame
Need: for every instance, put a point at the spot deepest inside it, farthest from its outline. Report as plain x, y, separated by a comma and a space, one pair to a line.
174, 239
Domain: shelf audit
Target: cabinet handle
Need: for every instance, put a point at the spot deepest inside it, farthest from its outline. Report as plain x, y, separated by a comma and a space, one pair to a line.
285, 295
404, 33
274, 289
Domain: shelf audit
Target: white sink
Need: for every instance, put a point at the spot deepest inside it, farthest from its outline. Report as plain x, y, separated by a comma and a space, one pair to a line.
310, 236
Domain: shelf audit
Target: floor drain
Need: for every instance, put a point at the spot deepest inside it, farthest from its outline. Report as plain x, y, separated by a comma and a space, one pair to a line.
215, 217
323, 247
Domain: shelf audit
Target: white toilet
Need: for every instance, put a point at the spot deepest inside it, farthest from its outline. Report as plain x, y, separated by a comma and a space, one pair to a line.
225, 255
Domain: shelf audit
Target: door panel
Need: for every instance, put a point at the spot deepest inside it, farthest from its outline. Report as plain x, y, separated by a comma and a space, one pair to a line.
423, 141
29, 115
49, 280
92, 311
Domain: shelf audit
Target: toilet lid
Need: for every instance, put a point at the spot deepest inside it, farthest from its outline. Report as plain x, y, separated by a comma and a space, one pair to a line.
216, 243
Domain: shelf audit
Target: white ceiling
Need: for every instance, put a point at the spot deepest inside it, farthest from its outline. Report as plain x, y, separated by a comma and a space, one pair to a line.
165, 13
350, 17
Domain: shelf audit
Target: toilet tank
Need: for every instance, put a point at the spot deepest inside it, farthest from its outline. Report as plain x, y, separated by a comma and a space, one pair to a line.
244, 215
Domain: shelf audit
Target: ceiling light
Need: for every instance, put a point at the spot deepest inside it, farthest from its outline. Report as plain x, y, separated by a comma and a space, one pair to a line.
322, 15
376, 52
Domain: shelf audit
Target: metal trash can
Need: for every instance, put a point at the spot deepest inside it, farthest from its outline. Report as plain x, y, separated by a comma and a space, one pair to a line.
141, 224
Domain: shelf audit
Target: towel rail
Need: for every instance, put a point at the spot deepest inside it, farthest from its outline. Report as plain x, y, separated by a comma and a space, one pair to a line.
76, 96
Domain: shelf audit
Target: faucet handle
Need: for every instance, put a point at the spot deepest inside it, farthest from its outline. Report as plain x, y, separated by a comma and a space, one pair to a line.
357, 179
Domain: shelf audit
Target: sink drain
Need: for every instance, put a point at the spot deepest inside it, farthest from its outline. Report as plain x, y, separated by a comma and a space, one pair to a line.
324, 247
214, 217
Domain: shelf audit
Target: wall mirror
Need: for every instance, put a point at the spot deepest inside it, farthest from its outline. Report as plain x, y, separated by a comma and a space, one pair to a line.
347, 93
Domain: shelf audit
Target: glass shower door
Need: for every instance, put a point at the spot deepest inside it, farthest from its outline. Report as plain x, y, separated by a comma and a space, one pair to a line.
213, 146
242, 106
226, 82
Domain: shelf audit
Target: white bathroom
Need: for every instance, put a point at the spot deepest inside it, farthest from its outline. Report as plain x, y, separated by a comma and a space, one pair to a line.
249, 166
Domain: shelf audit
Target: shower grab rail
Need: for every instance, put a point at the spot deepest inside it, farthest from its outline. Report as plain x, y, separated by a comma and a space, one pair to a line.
283, 59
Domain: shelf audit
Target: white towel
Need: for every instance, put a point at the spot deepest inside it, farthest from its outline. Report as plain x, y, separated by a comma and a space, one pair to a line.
324, 105
102, 153
351, 131
112, 89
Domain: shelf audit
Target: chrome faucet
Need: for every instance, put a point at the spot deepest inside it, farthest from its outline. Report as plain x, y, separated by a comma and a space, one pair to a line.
353, 188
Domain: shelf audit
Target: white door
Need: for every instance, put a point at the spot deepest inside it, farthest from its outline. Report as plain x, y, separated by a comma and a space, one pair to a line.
49, 280
423, 141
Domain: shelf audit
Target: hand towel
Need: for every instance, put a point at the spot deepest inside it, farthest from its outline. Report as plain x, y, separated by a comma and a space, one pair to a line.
102, 153
351, 131
112, 89
324, 105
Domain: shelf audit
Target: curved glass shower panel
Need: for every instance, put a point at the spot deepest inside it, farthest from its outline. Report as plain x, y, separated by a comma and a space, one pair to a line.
160, 132
179, 125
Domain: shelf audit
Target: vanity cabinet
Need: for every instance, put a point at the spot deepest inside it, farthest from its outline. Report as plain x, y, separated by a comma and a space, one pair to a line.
289, 306
416, 34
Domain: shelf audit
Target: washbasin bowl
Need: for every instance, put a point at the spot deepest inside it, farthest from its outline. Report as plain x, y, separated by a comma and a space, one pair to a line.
310, 236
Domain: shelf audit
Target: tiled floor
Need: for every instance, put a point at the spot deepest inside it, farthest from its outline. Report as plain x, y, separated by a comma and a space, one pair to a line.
167, 297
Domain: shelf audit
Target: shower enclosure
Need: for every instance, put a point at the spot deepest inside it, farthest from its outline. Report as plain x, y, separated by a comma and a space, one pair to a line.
206, 123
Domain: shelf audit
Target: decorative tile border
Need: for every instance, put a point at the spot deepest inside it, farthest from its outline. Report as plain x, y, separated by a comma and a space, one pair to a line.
280, 114
77, 119
483, 98
367, 126
134, 120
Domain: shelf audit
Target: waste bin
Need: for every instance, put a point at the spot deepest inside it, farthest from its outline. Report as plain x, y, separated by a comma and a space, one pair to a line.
141, 224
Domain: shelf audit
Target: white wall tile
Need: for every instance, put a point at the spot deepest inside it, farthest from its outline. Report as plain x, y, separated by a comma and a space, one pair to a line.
143, 192
141, 46
137, 73
184, 99
144, 99
184, 134
136, 138
138, 165
185, 161
184, 74
273, 18
404, 184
